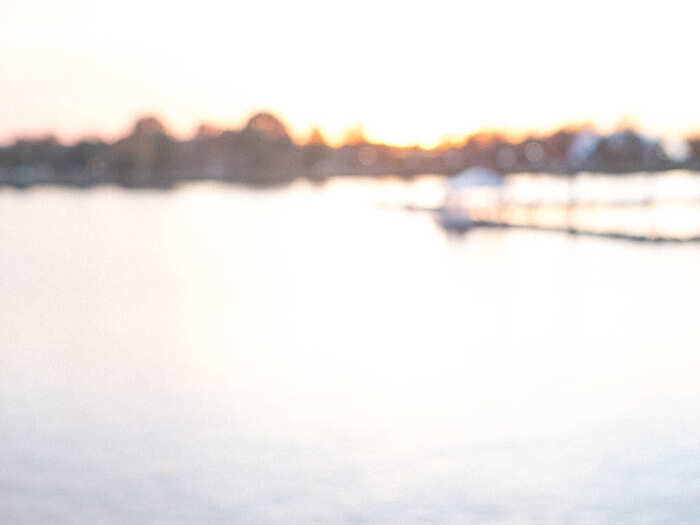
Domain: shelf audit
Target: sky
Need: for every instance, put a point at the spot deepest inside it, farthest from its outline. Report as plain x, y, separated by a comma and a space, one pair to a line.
408, 72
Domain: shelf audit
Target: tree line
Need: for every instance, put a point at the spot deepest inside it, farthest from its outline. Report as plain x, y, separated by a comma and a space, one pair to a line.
263, 153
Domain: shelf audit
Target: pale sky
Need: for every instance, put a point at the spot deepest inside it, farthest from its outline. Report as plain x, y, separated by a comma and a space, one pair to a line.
408, 71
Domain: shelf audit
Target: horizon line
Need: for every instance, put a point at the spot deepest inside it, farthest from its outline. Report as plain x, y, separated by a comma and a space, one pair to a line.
510, 134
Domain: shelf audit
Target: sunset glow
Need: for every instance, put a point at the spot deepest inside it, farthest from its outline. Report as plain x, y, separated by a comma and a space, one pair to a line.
408, 74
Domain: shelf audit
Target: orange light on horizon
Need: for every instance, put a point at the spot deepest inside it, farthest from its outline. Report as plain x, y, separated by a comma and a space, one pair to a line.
444, 72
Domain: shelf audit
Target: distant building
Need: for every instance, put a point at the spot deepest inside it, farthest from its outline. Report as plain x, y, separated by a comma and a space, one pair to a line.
582, 148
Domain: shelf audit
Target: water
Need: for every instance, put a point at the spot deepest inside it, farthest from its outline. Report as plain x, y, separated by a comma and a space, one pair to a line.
317, 355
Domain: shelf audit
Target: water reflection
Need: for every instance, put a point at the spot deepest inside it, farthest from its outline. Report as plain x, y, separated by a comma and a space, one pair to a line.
315, 355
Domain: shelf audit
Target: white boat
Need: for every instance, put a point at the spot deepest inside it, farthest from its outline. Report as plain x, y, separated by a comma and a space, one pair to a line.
454, 214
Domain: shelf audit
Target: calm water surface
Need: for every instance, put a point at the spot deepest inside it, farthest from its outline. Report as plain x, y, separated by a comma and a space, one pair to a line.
317, 355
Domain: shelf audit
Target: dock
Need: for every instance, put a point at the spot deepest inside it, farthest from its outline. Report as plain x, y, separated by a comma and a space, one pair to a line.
658, 208
461, 225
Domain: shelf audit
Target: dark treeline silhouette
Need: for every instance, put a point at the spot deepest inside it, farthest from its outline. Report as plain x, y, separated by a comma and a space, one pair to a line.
263, 153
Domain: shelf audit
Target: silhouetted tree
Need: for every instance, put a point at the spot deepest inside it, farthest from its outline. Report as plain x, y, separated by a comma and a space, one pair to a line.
145, 155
